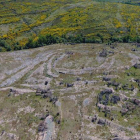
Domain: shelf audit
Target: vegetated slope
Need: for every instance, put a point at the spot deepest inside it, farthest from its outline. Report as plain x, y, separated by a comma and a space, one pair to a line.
21, 20
82, 91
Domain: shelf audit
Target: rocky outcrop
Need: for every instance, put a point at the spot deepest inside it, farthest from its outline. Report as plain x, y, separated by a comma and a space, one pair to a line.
101, 122
106, 79
137, 66
114, 83
103, 96
42, 127
115, 99
124, 111
135, 101
103, 53
126, 87
106, 91
46, 94
94, 119
69, 85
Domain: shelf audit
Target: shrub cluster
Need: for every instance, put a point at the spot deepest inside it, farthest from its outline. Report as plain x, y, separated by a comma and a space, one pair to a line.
52, 39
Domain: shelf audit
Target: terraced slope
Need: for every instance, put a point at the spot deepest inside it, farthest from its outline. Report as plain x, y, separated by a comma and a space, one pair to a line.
21, 20
85, 91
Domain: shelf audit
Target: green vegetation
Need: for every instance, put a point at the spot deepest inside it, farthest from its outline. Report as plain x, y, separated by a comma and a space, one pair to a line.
4, 46
51, 39
97, 20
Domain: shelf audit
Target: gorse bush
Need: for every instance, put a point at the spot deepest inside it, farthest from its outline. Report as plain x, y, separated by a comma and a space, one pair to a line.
42, 40
53, 39
95, 19
4, 46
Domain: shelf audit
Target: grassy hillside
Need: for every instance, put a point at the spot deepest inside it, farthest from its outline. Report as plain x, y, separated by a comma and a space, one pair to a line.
20, 20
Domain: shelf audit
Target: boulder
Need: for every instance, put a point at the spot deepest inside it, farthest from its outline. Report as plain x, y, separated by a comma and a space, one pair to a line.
94, 119
57, 114
106, 91
101, 122
78, 79
111, 52
117, 138
136, 101
44, 91
112, 47
115, 99
106, 79
12, 91
103, 53
104, 100
42, 127
58, 121
133, 49
126, 87
137, 66
137, 80
69, 53
46, 82
114, 83
106, 109
43, 117
128, 74
130, 106
47, 94
132, 88
53, 100
69, 85
138, 45
124, 111
61, 83
109, 83
112, 118
61, 72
